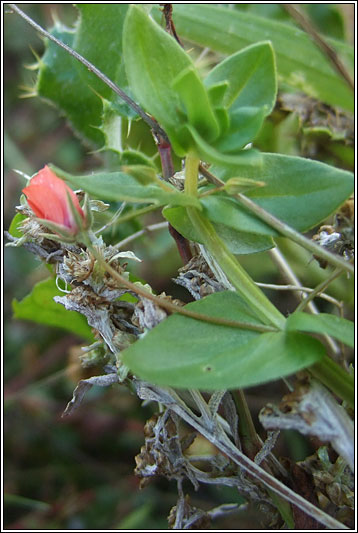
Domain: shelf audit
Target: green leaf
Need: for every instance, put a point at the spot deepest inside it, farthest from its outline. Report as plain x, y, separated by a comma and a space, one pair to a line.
208, 152
95, 112
224, 210
153, 60
323, 323
328, 19
245, 124
59, 82
183, 352
196, 101
238, 242
39, 307
300, 63
119, 186
300, 192
99, 36
251, 75
15, 223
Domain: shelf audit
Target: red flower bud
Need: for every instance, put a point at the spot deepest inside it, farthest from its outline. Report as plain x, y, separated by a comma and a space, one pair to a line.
49, 198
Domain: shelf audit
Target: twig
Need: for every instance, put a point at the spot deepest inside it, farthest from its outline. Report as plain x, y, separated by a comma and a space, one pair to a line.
281, 227
299, 288
288, 273
152, 227
294, 235
321, 287
149, 120
218, 437
172, 308
322, 44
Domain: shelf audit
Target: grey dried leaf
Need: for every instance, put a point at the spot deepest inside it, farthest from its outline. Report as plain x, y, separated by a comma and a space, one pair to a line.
198, 279
231, 417
312, 410
83, 386
147, 314
98, 316
267, 446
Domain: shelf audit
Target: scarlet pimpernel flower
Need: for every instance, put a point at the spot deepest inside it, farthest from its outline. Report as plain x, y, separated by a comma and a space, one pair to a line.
50, 199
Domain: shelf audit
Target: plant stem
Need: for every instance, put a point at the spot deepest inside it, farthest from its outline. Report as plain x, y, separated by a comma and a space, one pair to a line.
242, 282
321, 287
294, 235
329, 372
134, 213
247, 432
283, 228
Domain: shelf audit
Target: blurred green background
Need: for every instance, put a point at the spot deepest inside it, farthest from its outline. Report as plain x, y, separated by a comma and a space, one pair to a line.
77, 473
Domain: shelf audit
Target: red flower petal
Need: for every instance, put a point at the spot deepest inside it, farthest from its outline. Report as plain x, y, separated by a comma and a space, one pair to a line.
47, 195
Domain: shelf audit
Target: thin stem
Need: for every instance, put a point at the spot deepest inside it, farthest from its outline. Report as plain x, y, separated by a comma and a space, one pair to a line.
321, 287
247, 432
150, 121
299, 288
281, 227
288, 273
242, 282
172, 308
134, 213
294, 235
322, 44
144, 231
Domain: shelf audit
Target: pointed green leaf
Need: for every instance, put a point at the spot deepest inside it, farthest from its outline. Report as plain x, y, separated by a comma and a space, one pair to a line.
162, 76
323, 323
39, 307
119, 186
183, 352
245, 124
59, 82
196, 101
15, 223
98, 38
238, 242
153, 59
208, 152
251, 75
298, 191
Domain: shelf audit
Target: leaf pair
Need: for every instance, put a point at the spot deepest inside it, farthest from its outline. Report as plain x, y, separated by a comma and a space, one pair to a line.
216, 117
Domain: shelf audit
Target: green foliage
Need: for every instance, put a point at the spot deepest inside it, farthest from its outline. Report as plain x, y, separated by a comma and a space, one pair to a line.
218, 118
325, 324
238, 242
213, 119
15, 223
39, 307
300, 63
220, 357
119, 186
99, 28
299, 191
59, 82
